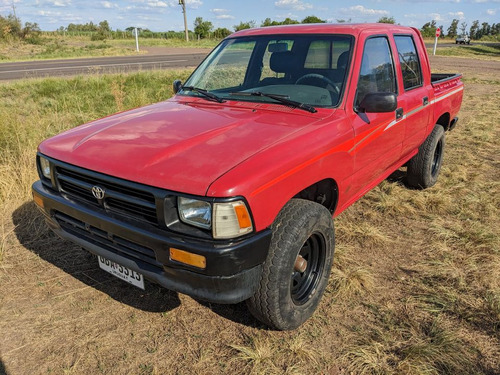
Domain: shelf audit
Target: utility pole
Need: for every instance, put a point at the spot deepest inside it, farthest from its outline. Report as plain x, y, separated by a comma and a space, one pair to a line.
14, 9
183, 4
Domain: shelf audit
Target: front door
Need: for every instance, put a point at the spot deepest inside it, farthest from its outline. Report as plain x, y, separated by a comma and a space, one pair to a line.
378, 142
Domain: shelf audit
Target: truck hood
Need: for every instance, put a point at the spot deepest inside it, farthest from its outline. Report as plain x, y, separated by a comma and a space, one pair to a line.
181, 144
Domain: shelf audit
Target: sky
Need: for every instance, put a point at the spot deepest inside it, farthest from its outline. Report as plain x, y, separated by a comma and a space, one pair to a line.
163, 15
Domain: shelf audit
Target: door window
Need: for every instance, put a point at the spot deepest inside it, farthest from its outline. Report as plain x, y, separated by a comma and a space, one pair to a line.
377, 69
410, 64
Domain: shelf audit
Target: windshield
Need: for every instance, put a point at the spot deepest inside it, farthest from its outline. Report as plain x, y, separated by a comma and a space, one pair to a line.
309, 69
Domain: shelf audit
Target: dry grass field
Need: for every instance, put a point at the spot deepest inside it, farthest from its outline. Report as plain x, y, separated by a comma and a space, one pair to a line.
67, 47
415, 286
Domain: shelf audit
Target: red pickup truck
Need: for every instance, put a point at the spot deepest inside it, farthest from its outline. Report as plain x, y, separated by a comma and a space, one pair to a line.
226, 192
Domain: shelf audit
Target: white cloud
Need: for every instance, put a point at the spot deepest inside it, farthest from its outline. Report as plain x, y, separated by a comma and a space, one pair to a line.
361, 10
194, 4
224, 17
219, 11
458, 15
60, 3
108, 5
222, 14
48, 13
157, 4
293, 4
491, 12
288, 15
436, 17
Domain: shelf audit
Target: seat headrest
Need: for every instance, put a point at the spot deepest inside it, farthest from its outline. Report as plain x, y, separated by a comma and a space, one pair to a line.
343, 60
282, 62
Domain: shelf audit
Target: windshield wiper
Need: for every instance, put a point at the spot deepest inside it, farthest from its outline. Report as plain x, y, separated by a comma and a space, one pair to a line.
280, 98
205, 93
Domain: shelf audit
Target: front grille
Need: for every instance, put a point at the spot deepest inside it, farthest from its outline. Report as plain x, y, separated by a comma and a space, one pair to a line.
119, 198
113, 243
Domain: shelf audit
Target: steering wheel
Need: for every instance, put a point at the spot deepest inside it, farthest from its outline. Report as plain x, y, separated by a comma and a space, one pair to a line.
319, 80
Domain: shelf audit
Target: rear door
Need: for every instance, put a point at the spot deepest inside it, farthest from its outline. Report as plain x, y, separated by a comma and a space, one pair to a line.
414, 94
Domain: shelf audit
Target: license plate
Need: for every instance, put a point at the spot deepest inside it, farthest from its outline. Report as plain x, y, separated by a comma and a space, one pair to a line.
122, 272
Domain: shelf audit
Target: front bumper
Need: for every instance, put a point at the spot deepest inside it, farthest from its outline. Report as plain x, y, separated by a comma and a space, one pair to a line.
233, 268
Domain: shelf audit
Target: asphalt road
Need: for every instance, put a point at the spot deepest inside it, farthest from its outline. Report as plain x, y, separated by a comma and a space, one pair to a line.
71, 67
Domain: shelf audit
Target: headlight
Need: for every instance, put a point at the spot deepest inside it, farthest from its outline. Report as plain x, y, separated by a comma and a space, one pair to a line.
231, 220
195, 212
45, 167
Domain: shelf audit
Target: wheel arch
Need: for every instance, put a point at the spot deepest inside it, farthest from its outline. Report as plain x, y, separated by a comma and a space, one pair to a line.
324, 192
444, 121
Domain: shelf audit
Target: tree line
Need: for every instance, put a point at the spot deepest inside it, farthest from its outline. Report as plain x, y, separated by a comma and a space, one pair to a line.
205, 29
11, 27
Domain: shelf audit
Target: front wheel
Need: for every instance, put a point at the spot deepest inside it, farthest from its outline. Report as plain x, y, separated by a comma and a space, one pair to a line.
297, 268
424, 168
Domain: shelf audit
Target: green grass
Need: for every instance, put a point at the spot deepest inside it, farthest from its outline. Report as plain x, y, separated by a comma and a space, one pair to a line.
481, 51
174, 42
60, 47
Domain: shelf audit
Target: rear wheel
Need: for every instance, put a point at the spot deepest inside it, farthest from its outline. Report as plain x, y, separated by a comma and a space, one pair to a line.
297, 267
424, 168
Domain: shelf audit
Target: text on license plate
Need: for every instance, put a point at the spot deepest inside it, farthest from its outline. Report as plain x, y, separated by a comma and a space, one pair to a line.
122, 272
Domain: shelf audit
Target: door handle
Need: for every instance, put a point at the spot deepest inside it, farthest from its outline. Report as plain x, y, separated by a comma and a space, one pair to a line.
425, 101
399, 113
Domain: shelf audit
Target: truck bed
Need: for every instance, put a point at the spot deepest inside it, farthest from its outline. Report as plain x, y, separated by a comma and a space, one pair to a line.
444, 81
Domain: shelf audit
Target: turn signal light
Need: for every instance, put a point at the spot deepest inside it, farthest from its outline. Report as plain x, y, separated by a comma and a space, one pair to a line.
231, 220
186, 257
38, 200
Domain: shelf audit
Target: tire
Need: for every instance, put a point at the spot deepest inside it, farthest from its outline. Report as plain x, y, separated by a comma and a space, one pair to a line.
423, 168
286, 298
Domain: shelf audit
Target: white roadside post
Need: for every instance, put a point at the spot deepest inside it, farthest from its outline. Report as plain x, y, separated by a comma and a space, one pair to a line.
136, 39
438, 33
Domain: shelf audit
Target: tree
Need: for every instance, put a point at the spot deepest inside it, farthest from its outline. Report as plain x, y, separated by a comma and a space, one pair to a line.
202, 28
289, 21
473, 32
463, 28
312, 19
10, 26
485, 29
429, 29
442, 31
244, 25
452, 30
385, 19
269, 22
495, 29
31, 30
104, 27
222, 32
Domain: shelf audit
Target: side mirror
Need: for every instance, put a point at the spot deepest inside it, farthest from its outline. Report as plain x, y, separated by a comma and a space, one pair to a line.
379, 102
177, 85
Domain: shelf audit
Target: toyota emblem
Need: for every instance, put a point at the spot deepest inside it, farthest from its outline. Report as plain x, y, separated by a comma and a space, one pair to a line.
98, 192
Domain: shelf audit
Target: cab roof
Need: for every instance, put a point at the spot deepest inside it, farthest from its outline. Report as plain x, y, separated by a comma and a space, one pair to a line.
324, 28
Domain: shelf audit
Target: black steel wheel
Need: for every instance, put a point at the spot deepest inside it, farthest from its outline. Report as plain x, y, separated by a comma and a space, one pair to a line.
424, 168
303, 283
296, 271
